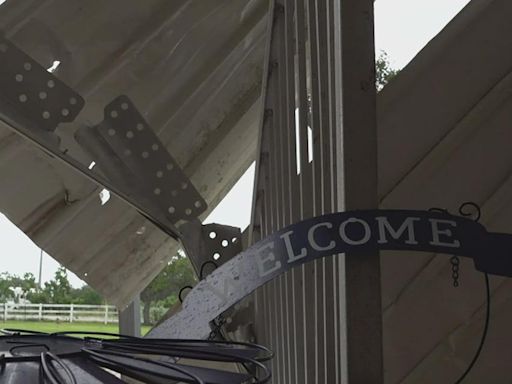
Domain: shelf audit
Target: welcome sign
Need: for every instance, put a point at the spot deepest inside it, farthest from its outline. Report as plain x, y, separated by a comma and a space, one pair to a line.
347, 232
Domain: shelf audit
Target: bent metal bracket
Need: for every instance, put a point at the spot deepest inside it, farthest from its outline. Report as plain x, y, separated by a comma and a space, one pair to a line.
354, 232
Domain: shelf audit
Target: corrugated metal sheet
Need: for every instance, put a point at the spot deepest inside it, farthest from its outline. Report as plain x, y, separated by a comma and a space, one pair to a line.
193, 68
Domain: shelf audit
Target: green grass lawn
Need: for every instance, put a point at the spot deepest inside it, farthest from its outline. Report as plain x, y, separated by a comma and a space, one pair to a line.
49, 327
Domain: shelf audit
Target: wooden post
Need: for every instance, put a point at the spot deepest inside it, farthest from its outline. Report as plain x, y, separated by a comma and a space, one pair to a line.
356, 174
129, 319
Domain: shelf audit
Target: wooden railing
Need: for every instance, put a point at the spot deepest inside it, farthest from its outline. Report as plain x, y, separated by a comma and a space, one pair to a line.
59, 312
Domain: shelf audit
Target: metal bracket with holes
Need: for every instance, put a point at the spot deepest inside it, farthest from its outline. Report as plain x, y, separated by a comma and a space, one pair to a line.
33, 95
33, 102
210, 243
127, 151
222, 241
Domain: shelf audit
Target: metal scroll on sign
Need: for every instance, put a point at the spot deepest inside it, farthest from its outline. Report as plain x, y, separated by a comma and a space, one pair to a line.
347, 232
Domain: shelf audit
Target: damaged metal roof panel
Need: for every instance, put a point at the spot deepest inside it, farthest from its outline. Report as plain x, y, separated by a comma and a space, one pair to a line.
193, 68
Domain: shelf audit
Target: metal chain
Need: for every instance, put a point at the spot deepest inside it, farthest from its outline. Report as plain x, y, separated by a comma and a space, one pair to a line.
455, 261
467, 209
470, 210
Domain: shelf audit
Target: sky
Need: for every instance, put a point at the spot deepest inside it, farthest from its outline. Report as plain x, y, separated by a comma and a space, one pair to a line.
402, 29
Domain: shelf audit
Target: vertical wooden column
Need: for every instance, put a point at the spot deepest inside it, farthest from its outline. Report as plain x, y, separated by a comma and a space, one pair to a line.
129, 319
356, 176
318, 155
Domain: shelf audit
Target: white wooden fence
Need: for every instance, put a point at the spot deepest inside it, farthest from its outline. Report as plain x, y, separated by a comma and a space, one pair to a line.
59, 312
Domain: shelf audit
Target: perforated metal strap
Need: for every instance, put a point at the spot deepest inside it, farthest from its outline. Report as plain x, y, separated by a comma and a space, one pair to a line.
33, 102
212, 244
131, 150
33, 92
222, 241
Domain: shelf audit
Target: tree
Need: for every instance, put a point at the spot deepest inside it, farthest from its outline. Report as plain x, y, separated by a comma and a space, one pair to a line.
86, 295
6, 292
59, 291
9, 282
384, 72
27, 283
165, 287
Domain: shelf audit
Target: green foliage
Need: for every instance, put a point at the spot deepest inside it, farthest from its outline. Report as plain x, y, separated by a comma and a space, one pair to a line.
86, 295
56, 291
9, 282
39, 297
59, 289
5, 287
27, 283
384, 72
164, 288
